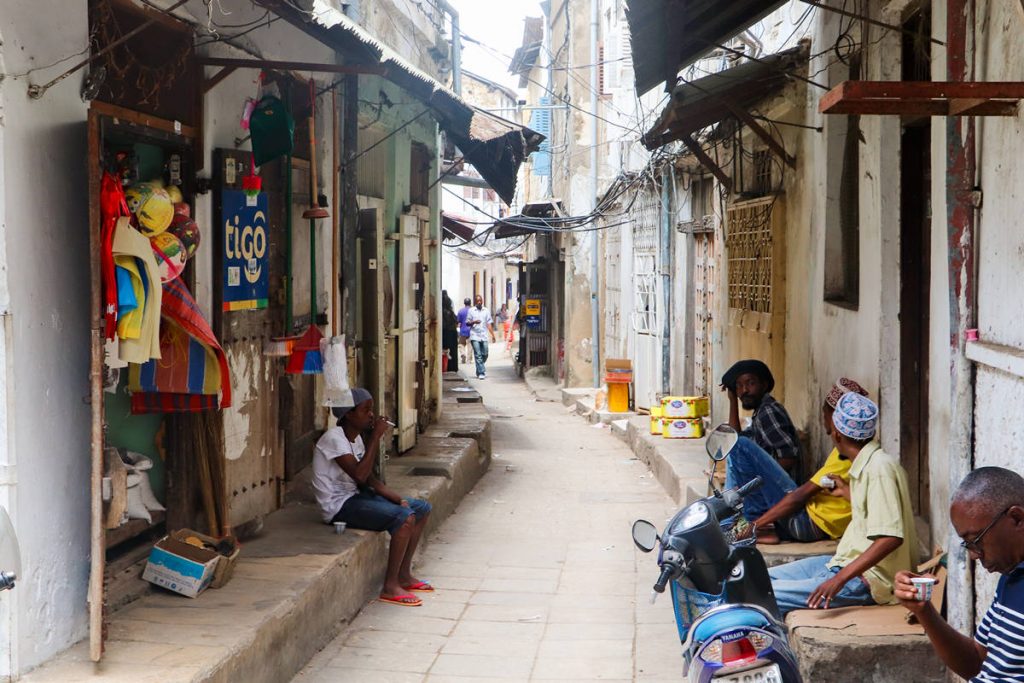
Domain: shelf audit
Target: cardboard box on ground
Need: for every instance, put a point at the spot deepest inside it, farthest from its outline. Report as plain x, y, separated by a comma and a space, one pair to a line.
188, 569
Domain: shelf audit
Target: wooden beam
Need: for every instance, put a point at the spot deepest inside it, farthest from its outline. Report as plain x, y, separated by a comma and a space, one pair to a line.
211, 82
758, 130
924, 98
707, 162
373, 69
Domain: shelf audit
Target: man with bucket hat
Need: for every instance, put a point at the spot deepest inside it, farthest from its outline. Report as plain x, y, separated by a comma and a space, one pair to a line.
880, 540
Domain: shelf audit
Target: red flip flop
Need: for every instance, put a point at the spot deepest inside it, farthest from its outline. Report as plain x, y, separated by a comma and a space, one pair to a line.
405, 600
420, 587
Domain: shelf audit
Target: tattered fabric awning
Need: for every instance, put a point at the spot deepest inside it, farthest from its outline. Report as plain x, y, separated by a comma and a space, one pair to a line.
703, 102
496, 147
669, 34
456, 228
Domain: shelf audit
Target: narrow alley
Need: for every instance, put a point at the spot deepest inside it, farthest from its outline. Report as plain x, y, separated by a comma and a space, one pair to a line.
536, 575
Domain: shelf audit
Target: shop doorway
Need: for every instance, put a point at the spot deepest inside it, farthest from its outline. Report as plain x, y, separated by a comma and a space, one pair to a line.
915, 277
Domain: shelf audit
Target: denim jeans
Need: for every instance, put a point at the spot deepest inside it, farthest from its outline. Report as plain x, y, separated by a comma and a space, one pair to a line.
367, 510
794, 582
479, 354
748, 460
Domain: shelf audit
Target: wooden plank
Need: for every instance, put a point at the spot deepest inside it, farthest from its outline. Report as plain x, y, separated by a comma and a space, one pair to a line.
923, 98
707, 162
373, 69
140, 119
211, 82
918, 108
97, 545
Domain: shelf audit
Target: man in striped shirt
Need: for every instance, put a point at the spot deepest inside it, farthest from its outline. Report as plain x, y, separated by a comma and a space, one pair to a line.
988, 514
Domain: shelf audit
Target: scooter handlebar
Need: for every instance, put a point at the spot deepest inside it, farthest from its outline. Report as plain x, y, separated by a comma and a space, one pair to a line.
666, 573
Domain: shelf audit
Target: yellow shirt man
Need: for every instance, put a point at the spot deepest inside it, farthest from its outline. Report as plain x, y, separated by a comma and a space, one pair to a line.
830, 513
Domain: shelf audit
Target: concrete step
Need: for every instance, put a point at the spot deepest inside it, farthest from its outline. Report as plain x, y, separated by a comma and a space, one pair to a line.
294, 588
827, 654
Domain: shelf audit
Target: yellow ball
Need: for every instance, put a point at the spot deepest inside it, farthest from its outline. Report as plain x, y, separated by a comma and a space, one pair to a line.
152, 207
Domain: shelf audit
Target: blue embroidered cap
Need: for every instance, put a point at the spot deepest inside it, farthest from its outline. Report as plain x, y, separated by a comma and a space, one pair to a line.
856, 416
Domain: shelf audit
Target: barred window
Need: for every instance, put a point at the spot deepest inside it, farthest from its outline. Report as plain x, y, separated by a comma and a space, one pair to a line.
748, 244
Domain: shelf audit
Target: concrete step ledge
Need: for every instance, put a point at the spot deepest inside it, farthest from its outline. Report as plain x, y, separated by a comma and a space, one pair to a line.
294, 587
827, 654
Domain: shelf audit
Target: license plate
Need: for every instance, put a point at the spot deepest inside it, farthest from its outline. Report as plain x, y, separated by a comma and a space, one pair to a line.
762, 674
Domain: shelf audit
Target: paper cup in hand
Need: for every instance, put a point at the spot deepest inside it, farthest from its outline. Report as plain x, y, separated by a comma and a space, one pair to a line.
923, 587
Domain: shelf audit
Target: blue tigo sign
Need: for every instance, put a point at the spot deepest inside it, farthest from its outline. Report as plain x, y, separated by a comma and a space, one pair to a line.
246, 262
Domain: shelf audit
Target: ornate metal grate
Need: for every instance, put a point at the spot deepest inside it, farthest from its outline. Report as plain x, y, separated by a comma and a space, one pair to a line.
748, 245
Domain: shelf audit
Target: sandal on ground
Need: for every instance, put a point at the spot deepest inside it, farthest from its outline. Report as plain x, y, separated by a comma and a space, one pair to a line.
419, 587
405, 600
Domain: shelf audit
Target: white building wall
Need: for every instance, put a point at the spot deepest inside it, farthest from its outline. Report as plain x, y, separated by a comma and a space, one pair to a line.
46, 240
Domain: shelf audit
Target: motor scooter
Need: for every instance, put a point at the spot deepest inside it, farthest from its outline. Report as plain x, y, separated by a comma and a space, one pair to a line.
725, 608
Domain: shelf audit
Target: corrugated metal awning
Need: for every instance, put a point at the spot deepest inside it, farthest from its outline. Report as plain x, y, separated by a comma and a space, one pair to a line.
669, 34
701, 103
496, 147
535, 217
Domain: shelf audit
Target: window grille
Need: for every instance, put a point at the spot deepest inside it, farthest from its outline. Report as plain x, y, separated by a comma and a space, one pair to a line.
748, 245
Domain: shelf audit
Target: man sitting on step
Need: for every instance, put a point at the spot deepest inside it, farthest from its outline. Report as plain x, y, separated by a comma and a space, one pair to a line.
347, 491
880, 540
815, 511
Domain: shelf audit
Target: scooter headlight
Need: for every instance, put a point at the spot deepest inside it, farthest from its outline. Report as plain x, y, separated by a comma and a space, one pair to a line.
693, 516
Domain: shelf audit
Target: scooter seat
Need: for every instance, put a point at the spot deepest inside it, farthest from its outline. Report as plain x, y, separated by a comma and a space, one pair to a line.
727, 620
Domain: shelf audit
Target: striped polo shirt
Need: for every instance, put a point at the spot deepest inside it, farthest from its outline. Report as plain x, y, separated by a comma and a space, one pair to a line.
1002, 631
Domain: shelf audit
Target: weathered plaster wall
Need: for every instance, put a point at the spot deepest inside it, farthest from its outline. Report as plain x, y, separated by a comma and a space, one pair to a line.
46, 241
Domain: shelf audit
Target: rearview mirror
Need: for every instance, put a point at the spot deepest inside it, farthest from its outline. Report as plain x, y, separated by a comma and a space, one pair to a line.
645, 535
721, 441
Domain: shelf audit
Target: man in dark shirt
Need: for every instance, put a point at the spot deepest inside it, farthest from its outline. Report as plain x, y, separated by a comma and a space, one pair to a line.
988, 514
769, 448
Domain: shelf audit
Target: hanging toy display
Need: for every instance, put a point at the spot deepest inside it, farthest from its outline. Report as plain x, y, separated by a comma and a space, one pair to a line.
186, 230
152, 207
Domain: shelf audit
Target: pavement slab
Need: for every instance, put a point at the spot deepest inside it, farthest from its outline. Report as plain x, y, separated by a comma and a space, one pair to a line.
536, 574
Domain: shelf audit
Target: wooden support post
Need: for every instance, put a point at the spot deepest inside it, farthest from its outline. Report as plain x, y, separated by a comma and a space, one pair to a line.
706, 161
758, 130
211, 82
349, 207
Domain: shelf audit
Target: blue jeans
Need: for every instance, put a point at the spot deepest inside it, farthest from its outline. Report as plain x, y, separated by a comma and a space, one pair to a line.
367, 510
794, 582
479, 354
748, 460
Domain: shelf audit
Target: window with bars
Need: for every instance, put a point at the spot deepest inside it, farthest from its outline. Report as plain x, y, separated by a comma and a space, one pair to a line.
749, 246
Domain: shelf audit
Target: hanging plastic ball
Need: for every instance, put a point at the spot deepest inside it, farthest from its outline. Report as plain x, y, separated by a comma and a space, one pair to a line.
187, 230
152, 206
171, 255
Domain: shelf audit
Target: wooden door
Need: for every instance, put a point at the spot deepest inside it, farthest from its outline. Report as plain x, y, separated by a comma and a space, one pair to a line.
252, 439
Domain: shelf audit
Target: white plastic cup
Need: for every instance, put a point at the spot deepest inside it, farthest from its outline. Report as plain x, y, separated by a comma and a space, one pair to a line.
923, 586
339, 527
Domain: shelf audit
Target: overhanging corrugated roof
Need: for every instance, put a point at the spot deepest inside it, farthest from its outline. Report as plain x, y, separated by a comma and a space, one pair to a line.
669, 34
701, 103
496, 147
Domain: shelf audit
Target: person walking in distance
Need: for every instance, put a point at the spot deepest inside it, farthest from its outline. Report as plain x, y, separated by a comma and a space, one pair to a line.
463, 328
481, 331
449, 332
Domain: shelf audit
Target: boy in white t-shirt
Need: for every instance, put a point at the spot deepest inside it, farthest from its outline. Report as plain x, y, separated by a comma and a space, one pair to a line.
347, 491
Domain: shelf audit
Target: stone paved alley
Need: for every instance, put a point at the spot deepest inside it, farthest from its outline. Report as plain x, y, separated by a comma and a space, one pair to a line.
536, 573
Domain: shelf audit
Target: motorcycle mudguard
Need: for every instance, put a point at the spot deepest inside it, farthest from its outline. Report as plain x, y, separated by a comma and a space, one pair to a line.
753, 585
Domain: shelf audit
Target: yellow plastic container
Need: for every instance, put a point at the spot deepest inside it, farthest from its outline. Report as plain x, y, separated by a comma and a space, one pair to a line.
686, 406
618, 398
682, 427
656, 420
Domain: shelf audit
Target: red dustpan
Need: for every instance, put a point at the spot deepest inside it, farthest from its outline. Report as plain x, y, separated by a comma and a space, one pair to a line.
306, 358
